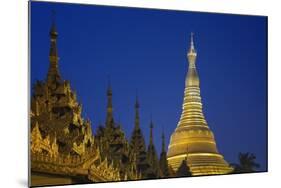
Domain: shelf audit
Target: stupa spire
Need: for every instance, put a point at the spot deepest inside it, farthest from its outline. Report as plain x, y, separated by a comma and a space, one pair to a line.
191, 54
192, 47
192, 113
53, 73
193, 140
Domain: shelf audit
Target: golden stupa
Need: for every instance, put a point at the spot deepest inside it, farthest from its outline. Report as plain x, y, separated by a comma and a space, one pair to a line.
193, 140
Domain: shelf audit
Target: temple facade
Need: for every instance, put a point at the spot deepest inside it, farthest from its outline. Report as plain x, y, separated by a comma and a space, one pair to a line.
192, 140
63, 147
55, 111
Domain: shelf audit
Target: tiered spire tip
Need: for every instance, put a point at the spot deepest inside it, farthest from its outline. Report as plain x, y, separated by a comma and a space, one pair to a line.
192, 47
163, 140
53, 30
137, 105
109, 89
137, 118
151, 132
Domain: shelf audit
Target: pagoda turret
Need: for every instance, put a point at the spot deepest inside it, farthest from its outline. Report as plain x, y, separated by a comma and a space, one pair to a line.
112, 141
137, 145
163, 163
152, 157
55, 109
109, 110
53, 73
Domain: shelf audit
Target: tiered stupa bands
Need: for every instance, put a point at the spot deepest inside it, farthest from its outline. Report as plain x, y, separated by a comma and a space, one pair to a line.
193, 140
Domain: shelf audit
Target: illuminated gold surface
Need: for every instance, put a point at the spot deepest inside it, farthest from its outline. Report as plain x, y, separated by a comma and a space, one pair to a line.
62, 144
193, 140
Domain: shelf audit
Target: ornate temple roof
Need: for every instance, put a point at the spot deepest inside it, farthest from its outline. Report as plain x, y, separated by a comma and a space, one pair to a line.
56, 109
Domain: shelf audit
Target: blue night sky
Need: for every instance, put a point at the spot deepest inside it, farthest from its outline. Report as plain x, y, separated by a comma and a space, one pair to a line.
145, 50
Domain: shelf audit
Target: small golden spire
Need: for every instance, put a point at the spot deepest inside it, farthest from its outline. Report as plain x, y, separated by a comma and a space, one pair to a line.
191, 40
192, 50
187, 142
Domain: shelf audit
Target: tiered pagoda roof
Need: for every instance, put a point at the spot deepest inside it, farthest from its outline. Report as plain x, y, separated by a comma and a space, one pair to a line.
57, 112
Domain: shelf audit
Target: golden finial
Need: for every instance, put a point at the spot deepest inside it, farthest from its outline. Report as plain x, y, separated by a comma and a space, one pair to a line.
191, 39
192, 48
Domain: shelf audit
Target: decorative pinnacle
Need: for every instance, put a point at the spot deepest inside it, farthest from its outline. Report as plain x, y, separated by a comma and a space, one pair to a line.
151, 126
163, 140
191, 39
163, 135
151, 123
109, 90
137, 100
53, 31
151, 132
53, 72
109, 115
137, 119
192, 48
